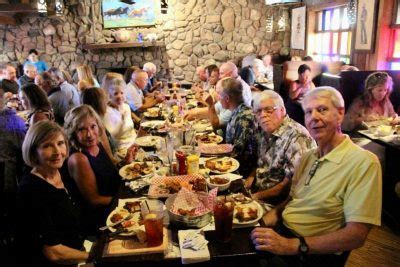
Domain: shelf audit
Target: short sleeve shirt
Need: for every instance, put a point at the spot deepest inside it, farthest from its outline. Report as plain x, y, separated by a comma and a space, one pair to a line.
279, 154
134, 96
345, 187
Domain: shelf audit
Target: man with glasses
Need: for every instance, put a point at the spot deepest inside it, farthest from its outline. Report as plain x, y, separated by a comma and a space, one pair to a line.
335, 198
281, 143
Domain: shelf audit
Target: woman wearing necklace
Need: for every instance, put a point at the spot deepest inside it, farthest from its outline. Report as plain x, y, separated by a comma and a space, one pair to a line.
50, 231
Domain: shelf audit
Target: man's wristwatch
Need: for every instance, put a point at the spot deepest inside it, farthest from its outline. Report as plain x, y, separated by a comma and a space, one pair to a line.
303, 247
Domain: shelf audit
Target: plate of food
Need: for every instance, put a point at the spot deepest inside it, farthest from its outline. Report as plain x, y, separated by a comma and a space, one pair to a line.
221, 165
129, 226
147, 141
202, 125
136, 170
168, 185
153, 125
215, 149
152, 113
247, 211
208, 138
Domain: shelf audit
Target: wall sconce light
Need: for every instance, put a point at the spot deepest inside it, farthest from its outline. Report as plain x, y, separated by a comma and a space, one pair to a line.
164, 6
51, 7
281, 23
269, 21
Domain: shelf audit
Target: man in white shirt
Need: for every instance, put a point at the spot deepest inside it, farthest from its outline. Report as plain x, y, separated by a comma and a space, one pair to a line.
134, 93
229, 69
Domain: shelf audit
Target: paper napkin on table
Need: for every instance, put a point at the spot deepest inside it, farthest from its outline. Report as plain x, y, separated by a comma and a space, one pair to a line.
193, 246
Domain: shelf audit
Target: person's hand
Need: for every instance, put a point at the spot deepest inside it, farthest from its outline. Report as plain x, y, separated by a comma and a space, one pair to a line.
7, 96
271, 219
266, 239
255, 196
131, 153
209, 100
395, 120
190, 115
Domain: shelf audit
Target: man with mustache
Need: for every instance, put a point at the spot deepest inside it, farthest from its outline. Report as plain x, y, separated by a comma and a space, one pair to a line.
335, 198
281, 143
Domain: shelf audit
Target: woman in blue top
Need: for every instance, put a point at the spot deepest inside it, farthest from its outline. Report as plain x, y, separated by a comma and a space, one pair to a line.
33, 58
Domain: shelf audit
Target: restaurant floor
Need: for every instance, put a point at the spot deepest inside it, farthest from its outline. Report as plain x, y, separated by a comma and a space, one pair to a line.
382, 249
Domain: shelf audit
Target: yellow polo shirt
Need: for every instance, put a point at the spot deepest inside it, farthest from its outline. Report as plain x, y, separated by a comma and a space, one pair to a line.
346, 187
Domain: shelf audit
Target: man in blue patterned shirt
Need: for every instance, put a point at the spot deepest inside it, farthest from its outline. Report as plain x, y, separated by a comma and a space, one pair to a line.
281, 143
241, 128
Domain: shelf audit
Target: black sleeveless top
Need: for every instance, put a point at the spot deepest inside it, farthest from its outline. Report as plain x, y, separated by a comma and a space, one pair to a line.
107, 181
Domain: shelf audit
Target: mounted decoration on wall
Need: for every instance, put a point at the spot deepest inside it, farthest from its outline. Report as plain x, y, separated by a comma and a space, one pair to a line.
129, 13
298, 29
367, 11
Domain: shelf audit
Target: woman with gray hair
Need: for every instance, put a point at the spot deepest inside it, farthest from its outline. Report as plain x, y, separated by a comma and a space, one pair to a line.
96, 179
54, 235
118, 118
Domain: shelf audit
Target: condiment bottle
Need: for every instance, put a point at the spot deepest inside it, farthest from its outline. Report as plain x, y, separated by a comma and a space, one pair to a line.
192, 164
181, 158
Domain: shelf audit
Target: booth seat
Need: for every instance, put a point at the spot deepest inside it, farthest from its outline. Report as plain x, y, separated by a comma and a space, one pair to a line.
290, 69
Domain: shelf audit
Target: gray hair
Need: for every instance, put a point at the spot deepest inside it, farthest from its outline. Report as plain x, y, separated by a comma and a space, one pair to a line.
115, 82
36, 135
325, 92
268, 94
149, 66
29, 66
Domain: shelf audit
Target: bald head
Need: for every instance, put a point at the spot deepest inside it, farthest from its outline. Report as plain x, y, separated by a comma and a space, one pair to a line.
10, 73
140, 79
201, 72
228, 69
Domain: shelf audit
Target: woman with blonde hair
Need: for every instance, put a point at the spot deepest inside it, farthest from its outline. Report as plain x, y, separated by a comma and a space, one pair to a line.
86, 77
96, 179
54, 234
373, 105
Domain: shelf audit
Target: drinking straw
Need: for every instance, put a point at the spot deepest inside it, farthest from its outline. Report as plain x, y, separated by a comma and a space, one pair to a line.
147, 205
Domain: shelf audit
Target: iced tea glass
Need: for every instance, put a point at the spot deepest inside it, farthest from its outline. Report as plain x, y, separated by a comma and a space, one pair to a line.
223, 219
153, 215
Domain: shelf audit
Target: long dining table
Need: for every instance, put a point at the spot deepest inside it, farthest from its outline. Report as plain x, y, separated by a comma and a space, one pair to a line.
238, 252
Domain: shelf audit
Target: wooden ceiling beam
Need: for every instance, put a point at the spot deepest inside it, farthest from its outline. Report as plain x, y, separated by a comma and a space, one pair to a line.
16, 8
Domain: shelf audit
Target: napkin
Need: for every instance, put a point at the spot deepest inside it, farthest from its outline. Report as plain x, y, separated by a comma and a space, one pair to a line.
193, 246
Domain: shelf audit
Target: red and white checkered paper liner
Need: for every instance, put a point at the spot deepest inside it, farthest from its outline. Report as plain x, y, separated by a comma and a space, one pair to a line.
215, 149
161, 180
187, 200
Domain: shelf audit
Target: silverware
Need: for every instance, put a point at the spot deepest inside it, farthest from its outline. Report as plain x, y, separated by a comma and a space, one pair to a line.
116, 223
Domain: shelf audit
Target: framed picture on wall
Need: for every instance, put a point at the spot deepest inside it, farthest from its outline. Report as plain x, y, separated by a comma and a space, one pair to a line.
118, 14
367, 11
298, 28
396, 14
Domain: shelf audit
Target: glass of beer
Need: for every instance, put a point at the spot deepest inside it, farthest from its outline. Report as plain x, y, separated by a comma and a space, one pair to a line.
153, 215
223, 218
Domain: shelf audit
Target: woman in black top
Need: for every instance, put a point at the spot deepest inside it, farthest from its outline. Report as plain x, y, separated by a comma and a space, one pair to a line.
95, 177
49, 230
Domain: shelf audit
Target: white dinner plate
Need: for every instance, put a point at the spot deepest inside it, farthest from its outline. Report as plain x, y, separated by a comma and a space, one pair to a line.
134, 220
245, 207
147, 141
154, 124
127, 175
234, 167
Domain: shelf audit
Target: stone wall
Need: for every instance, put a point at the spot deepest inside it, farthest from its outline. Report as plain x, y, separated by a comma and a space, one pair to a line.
195, 32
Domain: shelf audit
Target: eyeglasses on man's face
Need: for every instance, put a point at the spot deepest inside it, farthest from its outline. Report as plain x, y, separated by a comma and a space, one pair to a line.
267, 110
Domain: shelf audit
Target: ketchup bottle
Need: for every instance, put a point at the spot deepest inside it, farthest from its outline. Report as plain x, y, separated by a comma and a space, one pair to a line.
181, 158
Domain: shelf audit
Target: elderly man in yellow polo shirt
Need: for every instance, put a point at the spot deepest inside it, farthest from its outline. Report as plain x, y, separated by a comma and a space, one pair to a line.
335, 198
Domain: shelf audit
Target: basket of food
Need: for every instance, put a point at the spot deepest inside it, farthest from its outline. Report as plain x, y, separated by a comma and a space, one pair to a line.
190, 209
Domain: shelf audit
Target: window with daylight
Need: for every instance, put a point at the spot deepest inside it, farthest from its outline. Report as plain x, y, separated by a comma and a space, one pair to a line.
394, 57
331, 40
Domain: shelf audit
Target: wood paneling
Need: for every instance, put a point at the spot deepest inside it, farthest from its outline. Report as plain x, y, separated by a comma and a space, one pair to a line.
382, 248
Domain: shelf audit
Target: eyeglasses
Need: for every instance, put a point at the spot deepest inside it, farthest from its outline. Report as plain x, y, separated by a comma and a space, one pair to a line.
312, 172
267, 110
